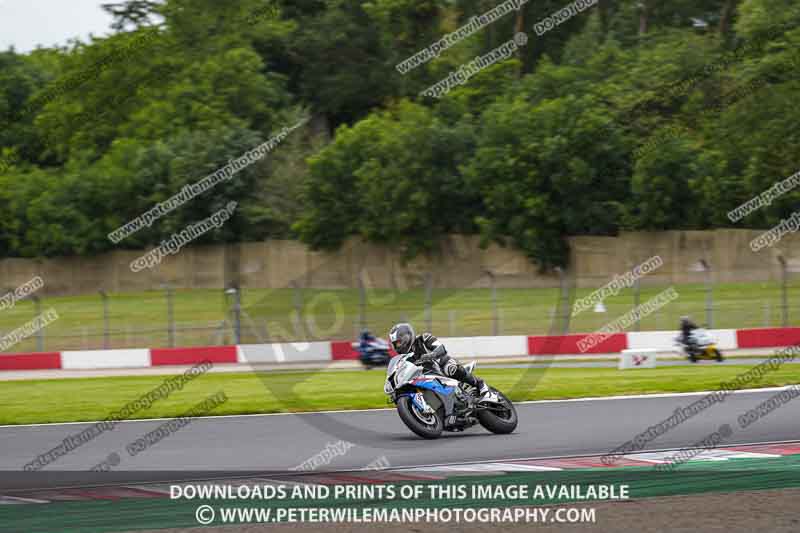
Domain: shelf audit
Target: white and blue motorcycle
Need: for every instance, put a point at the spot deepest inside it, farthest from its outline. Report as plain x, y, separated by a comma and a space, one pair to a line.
429, 402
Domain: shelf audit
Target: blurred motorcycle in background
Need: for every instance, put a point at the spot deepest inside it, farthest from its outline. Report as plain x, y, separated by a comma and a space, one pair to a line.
372, 351
700, 344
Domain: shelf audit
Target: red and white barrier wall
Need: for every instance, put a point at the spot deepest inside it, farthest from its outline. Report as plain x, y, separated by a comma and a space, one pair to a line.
461, 347
665, 340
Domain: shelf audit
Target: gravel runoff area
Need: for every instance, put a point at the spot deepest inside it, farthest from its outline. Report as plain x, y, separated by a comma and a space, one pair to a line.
775, 511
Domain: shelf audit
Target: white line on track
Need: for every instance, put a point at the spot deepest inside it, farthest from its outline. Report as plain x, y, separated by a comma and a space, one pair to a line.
309, 413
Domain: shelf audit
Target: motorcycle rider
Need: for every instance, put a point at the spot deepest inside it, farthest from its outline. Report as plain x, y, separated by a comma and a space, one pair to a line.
427, 348
365, 338
371, 351
687, 326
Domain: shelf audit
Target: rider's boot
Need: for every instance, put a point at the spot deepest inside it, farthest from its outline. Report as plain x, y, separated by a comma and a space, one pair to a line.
486, 394
456, 371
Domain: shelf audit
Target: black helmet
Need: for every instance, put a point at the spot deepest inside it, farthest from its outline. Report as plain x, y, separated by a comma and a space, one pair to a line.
402, 337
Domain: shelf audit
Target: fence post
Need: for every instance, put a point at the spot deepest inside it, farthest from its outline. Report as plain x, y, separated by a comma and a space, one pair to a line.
709, 294
300, 326
170, 316
564, 302
7, 290
237, 313
37, 302
428, 291
104, 297
494, 301
500, 321
362, 305
636, 299
297, 301
784, 299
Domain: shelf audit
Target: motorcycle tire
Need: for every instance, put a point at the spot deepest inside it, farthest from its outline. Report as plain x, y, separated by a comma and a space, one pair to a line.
408, 414
718, 355
494, 422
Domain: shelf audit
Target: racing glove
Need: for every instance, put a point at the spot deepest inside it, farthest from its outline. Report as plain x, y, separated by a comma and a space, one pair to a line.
438, 352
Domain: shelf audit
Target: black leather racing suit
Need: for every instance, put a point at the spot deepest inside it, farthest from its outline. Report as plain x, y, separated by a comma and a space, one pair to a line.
686, 336
426, 347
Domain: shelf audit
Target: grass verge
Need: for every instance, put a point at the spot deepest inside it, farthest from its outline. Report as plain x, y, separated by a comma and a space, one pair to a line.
84, 399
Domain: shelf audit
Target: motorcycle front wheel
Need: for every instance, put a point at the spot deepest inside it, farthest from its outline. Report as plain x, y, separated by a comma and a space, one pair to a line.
427, 426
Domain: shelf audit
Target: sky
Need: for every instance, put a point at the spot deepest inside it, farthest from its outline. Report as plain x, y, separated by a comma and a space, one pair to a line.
28, 23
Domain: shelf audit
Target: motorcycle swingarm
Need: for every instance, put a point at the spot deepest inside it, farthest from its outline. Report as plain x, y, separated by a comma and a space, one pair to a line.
497, 408
459, 424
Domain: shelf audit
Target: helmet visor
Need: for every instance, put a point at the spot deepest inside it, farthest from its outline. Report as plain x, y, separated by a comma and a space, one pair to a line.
401, 338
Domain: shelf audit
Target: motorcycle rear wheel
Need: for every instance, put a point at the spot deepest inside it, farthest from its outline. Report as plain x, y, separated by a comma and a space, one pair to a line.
497, 423
426, 426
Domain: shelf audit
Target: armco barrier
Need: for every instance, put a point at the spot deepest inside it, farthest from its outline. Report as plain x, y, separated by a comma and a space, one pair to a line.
643, 340
30, 361
726, 338
79, 360
469, 347
767, 337
460, 347
665, 340
343, 350
285, 352
568, 344
193, 356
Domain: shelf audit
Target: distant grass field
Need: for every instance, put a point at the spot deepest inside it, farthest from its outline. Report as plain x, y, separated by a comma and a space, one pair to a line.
72, 400
203, 317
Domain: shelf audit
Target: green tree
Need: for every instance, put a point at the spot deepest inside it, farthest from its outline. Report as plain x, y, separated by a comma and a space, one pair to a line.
547, 170
392, 178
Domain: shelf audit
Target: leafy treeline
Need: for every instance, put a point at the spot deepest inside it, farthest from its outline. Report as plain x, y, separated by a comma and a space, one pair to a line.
632, 115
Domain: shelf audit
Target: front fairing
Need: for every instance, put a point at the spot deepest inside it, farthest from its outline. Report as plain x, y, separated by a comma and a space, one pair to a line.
406, 372
393, 362
399, 372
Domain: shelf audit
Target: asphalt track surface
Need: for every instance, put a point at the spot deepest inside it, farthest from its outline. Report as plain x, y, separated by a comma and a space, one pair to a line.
556, 428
